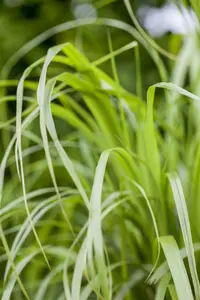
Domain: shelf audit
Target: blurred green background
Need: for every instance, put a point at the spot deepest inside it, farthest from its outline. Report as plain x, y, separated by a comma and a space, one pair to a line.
21, 21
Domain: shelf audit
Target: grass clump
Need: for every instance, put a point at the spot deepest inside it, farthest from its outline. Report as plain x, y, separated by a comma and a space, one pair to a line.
89, 184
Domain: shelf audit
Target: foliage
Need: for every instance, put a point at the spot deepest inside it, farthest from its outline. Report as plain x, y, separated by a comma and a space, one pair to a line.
92, 206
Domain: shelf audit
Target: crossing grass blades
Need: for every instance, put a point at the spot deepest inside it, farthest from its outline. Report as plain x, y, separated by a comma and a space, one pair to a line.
99, 187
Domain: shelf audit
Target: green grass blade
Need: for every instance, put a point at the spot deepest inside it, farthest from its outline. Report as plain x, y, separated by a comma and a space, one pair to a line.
95, 222
177, 268
20, 168
19, 268
79, 23
126, 138
185, 228
7, 250
175, 88
162, 287
48, 119
172, 292
164, 268
151, 42
142, 191
152, 153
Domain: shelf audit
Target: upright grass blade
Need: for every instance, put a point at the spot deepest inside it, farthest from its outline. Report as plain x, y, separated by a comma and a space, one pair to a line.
78, 271
152, 153
162, 287
95, 223
49, 123
20, 167
194, 210
177, 268
142, 191
138, 72
178, 77
172, 292
94, 235
41, 101
124, 126
185, 228
67, 289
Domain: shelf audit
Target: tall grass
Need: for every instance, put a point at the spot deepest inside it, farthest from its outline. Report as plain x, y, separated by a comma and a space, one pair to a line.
98, 186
